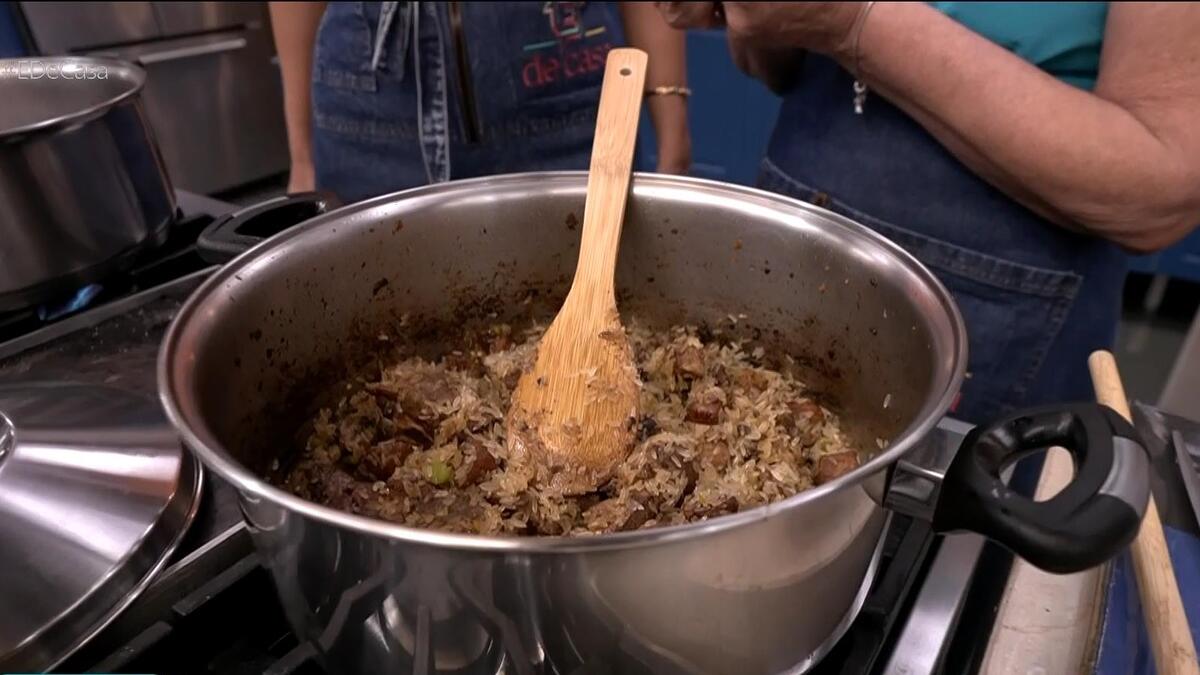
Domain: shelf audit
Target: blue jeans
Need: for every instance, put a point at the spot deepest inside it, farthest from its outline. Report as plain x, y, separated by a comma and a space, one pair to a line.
1036, 299
401, 99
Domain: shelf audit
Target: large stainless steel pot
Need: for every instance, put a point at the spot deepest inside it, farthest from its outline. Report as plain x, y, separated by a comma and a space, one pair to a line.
762, 591
82, 184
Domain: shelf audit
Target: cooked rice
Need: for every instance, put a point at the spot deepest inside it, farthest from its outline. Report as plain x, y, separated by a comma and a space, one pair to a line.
423, 444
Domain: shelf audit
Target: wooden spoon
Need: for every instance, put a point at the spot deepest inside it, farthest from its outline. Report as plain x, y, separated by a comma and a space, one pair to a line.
1166, 621
572, 416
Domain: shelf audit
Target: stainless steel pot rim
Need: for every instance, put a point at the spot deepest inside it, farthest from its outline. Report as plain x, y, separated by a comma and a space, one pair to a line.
137, 75
203, 442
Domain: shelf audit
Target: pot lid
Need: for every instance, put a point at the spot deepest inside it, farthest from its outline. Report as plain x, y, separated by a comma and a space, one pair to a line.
95, 493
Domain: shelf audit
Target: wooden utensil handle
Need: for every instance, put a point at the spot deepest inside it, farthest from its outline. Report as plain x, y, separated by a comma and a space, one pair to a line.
612, 162
1166, 622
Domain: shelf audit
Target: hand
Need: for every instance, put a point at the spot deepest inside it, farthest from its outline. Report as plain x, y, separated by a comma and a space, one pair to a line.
816, 26
302, 178
684, 15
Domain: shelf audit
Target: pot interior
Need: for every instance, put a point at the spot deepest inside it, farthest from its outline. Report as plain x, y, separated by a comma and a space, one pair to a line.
259, 347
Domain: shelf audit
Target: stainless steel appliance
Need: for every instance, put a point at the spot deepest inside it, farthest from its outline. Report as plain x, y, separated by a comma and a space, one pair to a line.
768, 590
213, 92
82, 183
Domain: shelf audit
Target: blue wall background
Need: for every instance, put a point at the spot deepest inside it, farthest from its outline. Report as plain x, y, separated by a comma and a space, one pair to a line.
11, 43
730, 115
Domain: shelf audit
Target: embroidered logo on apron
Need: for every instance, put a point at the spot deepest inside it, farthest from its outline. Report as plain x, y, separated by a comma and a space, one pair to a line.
573, 50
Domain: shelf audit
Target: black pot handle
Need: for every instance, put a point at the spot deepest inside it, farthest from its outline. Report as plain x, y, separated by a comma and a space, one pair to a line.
1092, 519
231, 235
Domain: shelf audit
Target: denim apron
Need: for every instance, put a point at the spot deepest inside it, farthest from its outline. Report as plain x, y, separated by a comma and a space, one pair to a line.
1036, 298
407, 93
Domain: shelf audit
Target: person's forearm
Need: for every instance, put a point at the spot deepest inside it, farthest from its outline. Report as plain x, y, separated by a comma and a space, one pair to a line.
1076, 157
667, 66
294, 26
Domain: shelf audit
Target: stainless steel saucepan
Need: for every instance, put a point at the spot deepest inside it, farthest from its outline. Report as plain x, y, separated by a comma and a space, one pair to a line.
767, 590
83, 188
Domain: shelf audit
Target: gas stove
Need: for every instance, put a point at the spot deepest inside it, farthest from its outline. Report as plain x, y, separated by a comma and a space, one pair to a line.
214, 610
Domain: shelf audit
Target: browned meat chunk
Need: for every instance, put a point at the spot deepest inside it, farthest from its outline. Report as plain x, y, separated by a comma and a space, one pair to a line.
697, 511
340, 491
358, 430
750, 379
413, 415
481, 464
705, 410
501, 339
608, 515
689, 471
638, 518
808, 410
511, 378
382, 460
830, 467
419, 427
689, 362
803, 420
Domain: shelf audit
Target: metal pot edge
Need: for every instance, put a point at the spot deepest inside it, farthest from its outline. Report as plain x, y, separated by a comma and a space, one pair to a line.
54, 124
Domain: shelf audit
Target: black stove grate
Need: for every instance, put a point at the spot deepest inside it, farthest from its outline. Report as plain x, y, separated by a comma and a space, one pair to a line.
231, 625
907, 551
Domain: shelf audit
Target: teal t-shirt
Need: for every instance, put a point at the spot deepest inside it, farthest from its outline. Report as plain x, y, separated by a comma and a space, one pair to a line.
1061, 38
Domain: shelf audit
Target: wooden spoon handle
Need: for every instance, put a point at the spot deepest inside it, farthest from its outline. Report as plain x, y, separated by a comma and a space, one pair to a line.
612, 164
1166, 622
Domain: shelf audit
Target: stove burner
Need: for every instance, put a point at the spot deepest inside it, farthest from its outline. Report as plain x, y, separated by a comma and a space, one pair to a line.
176, 258
82, 298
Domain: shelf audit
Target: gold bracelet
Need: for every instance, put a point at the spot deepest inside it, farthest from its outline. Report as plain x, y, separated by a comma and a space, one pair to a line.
673, 90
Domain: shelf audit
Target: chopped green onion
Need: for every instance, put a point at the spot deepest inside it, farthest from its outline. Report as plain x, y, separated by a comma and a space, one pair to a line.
438, 473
